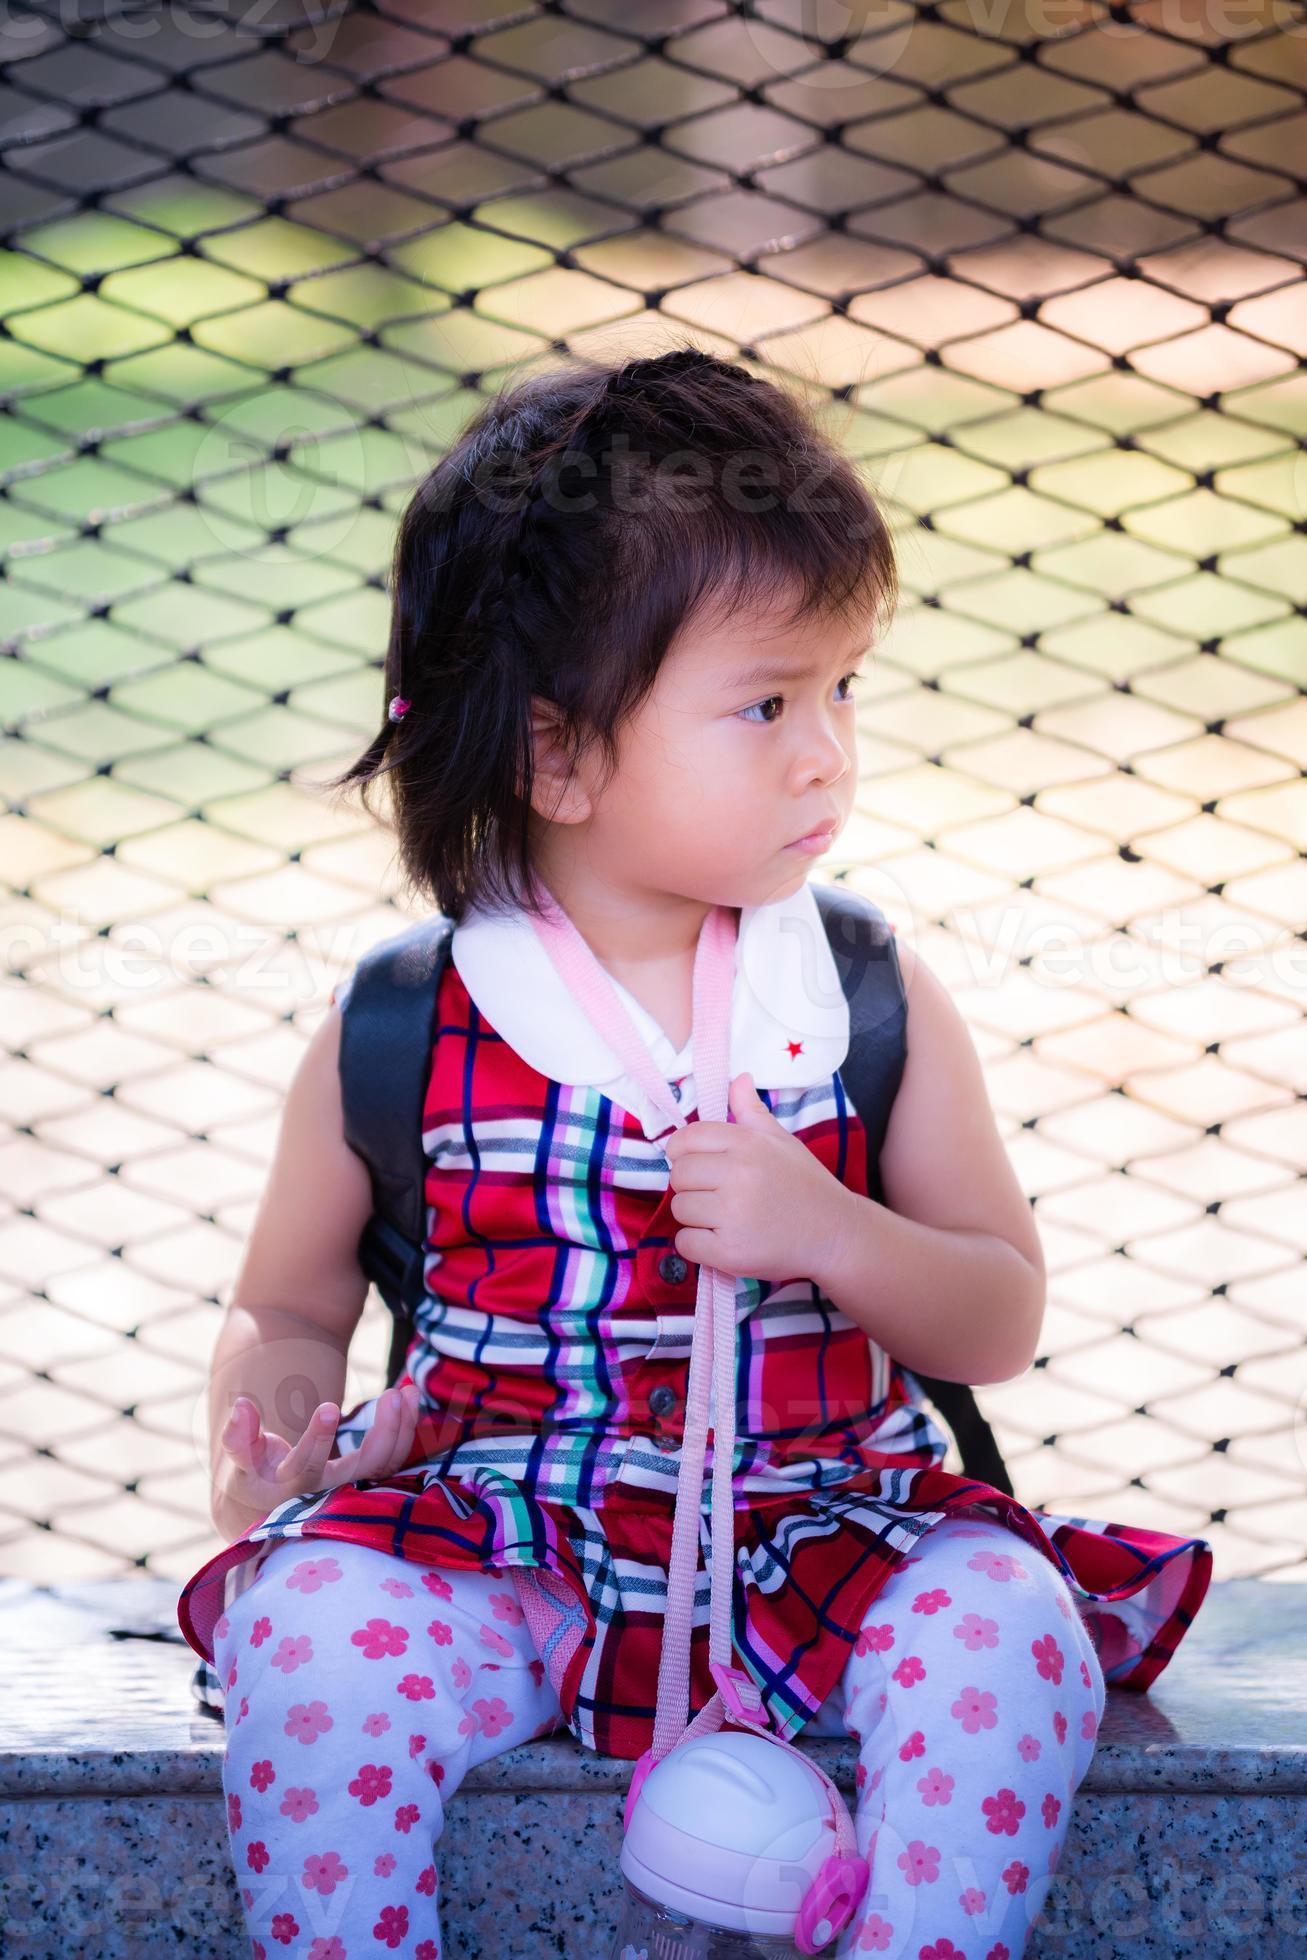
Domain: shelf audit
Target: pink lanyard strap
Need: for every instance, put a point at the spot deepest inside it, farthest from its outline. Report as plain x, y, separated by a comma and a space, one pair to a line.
714, 1317
737, 1694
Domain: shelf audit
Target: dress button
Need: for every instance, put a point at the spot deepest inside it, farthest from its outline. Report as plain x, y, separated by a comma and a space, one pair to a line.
676, 1090
663, 1399
672, 1268
665, 1443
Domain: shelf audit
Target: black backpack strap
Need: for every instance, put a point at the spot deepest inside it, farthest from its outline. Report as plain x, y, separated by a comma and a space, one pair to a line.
975, 1439
387, 1028
867, 961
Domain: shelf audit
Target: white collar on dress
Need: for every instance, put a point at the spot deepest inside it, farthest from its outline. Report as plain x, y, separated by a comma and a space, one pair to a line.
789, 1015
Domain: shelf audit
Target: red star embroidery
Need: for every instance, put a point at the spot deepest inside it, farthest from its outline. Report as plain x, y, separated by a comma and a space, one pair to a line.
795, 1048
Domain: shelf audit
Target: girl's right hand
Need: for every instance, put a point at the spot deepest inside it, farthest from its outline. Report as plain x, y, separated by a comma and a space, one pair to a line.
259, 1469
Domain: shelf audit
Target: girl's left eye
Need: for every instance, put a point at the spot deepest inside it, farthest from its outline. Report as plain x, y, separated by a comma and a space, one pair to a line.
745, 713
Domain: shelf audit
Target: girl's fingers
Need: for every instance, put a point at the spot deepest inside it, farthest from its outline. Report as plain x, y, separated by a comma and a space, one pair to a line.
308, 1458
387, 1442
349, 1466
238, 1436
378, 1445
402, 1439
408, 1422
384, 1448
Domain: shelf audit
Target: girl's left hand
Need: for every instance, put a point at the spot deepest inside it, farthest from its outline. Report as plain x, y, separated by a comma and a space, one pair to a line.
753, 1199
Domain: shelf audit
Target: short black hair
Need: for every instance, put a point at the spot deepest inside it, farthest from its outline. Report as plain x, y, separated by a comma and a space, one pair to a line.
584, 515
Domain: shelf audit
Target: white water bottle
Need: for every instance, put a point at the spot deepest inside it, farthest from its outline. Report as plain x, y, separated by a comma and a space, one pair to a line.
730, 1854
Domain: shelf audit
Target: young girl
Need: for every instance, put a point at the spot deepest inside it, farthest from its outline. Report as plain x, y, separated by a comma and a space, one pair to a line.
629, 610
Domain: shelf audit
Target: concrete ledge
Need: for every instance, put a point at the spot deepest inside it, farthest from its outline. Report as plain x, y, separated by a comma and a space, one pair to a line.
1189, 1835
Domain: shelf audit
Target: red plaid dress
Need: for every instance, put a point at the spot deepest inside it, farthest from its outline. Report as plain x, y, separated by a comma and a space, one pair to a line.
552, 1352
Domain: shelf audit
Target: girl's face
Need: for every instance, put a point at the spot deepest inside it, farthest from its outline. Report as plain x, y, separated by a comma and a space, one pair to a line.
746, 742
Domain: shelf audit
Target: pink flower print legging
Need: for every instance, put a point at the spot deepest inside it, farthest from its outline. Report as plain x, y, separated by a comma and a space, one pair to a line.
360, 1688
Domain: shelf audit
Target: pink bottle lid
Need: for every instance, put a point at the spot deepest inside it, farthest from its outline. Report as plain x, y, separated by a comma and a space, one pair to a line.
732, 1830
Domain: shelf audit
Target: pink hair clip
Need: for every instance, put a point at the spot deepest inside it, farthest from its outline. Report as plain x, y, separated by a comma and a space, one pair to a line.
399, 707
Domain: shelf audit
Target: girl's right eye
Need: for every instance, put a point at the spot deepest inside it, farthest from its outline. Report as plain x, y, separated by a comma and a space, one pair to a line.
746, 713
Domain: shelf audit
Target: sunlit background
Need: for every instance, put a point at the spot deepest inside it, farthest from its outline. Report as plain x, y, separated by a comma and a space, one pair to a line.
1041, 270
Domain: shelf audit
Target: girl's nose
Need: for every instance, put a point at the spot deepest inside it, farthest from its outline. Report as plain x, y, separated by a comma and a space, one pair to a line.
826, 760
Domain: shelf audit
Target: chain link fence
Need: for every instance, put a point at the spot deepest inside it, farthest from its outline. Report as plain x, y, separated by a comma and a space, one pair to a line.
1043, 268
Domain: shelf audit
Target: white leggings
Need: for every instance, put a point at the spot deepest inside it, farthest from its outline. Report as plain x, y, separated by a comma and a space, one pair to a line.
361, 1688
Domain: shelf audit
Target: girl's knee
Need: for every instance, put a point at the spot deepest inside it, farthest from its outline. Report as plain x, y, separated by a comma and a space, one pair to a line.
370, 1621
982, 1566
974, 1598
375, 1680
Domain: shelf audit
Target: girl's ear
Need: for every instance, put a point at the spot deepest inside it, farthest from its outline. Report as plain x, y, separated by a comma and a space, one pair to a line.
558, 789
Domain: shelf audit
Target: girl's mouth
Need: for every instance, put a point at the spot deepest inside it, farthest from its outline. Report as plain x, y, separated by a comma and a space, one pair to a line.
815, 841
